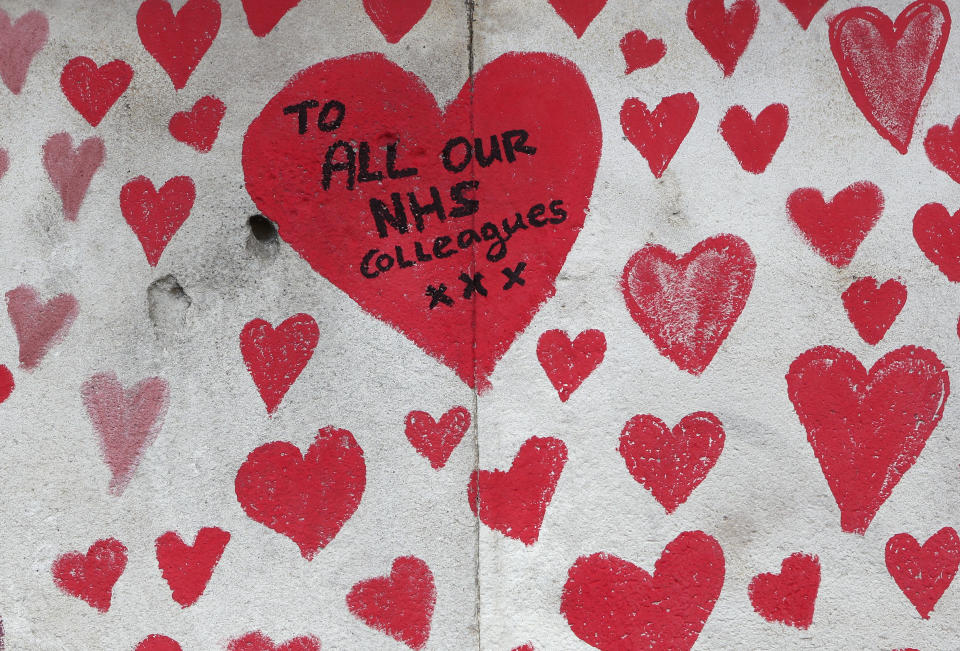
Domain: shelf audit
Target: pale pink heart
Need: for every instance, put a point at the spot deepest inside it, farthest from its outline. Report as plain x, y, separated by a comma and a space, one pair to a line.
4, 162
39, 326
19, 43
71, 170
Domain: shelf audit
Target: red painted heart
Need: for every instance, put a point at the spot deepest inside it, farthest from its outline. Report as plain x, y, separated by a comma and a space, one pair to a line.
461, 289
257, 641
6, 388
872, 308
394, 18
187, 568
924, 572
640, 51
436, 441
399, 605
788, 597
39, 326
199, 126
157, 642
754, 142
19, 43
938, 235
725, 33
91, 576
276, 357
92, 89
71, 170
867, 429
568, 363
305, 497
178, 41
263, 15
804, 10
942, 145
156, 215
614, 605
888, 67
657, 134
578, 13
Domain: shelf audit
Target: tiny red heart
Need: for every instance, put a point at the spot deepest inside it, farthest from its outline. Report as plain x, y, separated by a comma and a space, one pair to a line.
156, 215
39, 325
187, 568
399, 605
257, 641
788, 597
872, 308
157, 642
942, 145
640, 51
276, 357
578, 13
657, 135
434, 440
725, 33
178, 41
924, 572
199, 126
92, 89
71, 170
91, 576
394, 18
754, 142
19, 43
938, 235
263, 15
568, 363
804, 10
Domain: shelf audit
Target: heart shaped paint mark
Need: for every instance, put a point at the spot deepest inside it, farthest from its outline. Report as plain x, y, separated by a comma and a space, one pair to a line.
276, 357
394, 18
568, 363
187, 568
788, 597
39, 326
924, 572
578, 13
640, 51
71, 170
657, 134
178, 41
157, 642
91, 576
156, 215
199, 126
872, 307
804, 10
754, 142
725, 33
399, 605
937, 233
92, 89
942, 145
436, 441
263, 15
19, 43
6, 388
257, 641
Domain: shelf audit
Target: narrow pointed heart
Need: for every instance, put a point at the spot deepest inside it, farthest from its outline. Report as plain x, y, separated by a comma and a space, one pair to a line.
754, 142
39, 326
394, 18
91, 576
578, 13
178, 41
257, 641
199, 126
867, 429
263, 15
20, 41
790, 596
92, 89
568, 363
942, 145
924, 572
187, 568
71, 170
724, 32
657, 134
888, 66
433, 440
937, 233
399, 605
276, 357
127, 421
156, 215
804, 10
872, 307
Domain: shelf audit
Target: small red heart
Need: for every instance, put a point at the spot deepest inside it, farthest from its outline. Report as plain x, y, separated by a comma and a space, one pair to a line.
568, 363
688, 305
437, 441
71, 170
156, 215
157, 642
671, 463
276, 357
263, 15
39, 326
788, 597
657, 135
19, 43
91, 576
525, 647
305, 497
612, 604
754, 142
6, 388
257, 641
199, 126
835, 229
399, 605
872, 308
942, 145
93, 89
394, 18
578, 13
867, 429
804, 10
938, 235
187, 569
640, 51
725, 33
515, 501
925, 572
178, 42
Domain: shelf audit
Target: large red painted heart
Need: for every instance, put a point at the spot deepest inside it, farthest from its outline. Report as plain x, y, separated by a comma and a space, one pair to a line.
872, 308
687, 305
431, 247
942, 145
671, 464
276, 357
804, 10
788, 597
187, 568
924, 572
938, 235
19, 43
835, 229
258, 641
888, 67
199, 126
39, 325
91, 576
71, 170
867, 430
305, 497
127, 421
92, 89
394, 18
157, 642
614, 605
514, 502
754, 142
399, 605
578, 13
640, 51
263, 15
657, 134
725, 33
434, 440
156, 215
568, 363
178, 41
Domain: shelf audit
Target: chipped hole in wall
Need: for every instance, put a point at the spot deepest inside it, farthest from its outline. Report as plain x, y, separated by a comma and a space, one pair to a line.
167, 302
263, 239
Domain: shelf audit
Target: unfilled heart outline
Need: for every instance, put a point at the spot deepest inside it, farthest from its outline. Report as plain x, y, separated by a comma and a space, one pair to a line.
432, 276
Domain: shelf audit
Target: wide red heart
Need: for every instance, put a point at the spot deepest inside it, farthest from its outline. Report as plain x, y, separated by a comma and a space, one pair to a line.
671, 463
835, 229
178, 42
434, 440
157, 642
872, 308
276, 357
942, 145
640, 51
754, 142
687, 305
614, 605
788, 597
19, 43
39, 325
199, 126
578, 13
187, 569
127, 421
93, 89
866, 430
456, 251
568, 363
263, 15
515, 501
257, 641
938, 235
925, 572
657, 135
156, 215
888, 67
804, 10
91, 576
305, 497
71, 170
725, 33
394, 18
399, 605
